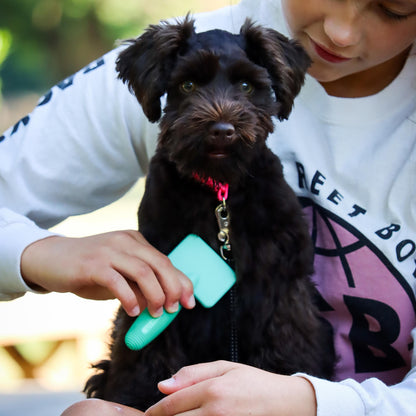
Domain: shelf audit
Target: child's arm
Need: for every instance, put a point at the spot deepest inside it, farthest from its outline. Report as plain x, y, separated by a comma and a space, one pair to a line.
84, 145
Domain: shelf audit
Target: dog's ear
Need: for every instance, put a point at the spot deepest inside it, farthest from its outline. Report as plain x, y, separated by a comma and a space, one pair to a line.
285, 60
146, 64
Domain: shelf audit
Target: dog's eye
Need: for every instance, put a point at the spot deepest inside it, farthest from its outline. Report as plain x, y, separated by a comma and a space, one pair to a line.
188, 86
246, 87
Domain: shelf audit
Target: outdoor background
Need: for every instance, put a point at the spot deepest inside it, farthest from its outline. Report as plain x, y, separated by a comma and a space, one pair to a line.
47, 342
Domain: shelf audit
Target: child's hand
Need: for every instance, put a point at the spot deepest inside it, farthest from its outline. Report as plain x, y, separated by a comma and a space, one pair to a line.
119, 264
225, 388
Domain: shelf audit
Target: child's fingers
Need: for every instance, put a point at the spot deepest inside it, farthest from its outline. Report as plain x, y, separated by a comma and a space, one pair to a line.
194, 374
175, 285
120, 289
149, 272
186, 402
140, 273
192, 390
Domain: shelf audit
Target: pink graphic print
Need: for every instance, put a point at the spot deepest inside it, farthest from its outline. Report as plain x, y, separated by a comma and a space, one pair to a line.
370, 306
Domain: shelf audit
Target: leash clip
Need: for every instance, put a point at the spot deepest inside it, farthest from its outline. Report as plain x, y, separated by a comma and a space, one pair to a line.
223, 219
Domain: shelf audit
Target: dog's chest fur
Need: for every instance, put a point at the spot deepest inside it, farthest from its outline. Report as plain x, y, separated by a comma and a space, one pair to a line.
223, 91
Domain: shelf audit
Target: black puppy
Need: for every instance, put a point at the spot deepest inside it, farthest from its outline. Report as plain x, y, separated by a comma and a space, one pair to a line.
223, 91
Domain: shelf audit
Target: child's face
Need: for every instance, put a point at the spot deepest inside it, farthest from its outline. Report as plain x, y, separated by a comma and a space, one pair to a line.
345, 37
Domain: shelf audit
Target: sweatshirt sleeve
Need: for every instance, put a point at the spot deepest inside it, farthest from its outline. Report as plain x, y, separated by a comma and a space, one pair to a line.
371, 397
17, 232
85, 144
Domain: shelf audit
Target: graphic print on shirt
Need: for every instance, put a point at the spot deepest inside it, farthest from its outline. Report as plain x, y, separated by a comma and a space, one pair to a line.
63, 85
369, 304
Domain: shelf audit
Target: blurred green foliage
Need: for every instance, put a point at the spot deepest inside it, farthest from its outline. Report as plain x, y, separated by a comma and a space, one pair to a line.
5, 42
44, 41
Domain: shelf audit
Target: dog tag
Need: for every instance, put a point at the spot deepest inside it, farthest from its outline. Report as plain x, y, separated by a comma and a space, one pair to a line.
223, 219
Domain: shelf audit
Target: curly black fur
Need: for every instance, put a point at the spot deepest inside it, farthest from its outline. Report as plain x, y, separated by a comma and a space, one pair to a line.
241, 82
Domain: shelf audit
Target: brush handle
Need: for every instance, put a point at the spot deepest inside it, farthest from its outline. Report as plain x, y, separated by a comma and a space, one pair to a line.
146, 328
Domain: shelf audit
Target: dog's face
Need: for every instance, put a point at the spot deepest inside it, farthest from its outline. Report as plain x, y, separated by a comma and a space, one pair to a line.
222, 92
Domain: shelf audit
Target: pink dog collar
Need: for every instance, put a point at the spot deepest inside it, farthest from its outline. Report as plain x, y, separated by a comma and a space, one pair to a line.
220, 188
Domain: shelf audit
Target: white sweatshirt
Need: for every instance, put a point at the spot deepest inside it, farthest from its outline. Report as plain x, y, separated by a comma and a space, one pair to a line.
351, 161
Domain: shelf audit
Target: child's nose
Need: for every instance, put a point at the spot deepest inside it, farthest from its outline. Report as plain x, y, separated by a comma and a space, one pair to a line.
343, 25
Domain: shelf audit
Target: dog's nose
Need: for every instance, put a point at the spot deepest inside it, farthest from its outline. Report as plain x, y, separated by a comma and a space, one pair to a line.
222, 130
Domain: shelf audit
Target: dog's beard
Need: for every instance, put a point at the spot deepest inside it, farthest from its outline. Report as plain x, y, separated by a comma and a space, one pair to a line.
190, 159
186, 139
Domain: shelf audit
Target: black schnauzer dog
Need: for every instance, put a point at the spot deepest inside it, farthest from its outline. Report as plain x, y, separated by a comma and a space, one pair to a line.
223, 91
